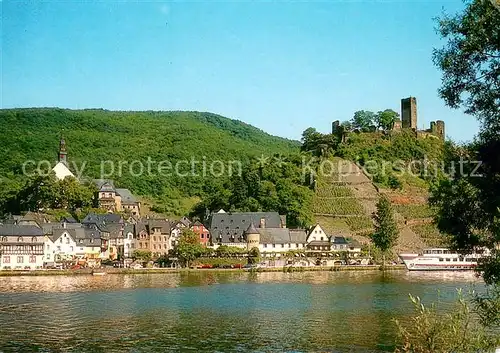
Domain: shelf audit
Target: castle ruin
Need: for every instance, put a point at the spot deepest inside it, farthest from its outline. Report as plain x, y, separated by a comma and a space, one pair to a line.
409, 120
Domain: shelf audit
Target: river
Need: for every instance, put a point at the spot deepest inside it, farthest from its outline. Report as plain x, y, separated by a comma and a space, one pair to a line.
216, 312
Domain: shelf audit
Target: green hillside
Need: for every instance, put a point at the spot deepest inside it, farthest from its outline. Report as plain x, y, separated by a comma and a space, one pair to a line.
99, 135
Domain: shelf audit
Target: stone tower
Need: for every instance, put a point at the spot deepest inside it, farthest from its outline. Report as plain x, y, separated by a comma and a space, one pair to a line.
253, 237
63, 153
409, 113
440, 128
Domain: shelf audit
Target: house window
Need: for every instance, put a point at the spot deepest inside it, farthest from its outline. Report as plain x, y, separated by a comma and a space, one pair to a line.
20, 259
154, 246
71, 248
80, 241
81, 249
282, 245
274, 245
4, 238
33, 240
58, 248
20, 239
202, 236
48, 247
6, 259
32, 259
67, 240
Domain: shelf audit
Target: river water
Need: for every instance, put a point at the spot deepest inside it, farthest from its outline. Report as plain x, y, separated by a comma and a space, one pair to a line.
216, 312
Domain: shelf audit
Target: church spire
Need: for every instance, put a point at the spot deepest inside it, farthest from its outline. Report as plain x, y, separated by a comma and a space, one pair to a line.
62, 150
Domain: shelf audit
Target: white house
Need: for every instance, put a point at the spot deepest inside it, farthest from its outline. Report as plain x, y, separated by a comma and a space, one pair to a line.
128, 241
21, 247
61, 245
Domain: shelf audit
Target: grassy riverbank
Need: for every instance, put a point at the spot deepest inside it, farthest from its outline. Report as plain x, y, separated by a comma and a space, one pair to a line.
126, 271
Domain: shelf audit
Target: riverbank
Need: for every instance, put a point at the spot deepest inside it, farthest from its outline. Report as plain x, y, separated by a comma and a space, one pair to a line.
128, 271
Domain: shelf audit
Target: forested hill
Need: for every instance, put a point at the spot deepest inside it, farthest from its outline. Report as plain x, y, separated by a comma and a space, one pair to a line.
97, 135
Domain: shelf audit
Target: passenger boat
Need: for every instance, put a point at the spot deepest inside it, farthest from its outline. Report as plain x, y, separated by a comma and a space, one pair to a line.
442, 259
98, 273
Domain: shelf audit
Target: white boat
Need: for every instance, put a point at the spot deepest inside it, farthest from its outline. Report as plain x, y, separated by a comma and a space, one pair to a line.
442, 259
98, 273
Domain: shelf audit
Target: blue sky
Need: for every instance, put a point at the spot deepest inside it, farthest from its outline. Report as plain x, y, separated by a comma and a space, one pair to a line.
280, 66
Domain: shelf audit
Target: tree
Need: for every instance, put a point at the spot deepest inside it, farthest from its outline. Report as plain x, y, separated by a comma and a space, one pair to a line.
189, 247
469, 203
386, 230
142, 255
385, 119
470, 61
253, 256
310, 138
430, 331
363, 120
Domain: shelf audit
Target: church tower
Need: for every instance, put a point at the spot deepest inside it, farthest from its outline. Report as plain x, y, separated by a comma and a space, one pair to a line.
61, 168
63, 153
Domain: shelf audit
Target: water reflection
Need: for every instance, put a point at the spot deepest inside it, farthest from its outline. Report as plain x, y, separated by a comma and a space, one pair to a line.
207, 311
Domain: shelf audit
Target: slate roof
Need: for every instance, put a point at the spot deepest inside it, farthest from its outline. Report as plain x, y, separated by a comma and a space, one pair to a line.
48, 227
338, 240
126, 196
114, 230
69, 220
57, 232
19, 230
100, 219
298, 236
344, 241
186, 221
88, 237
236, 223
274, 235
129, 228
148, 226
251, 229
104, 184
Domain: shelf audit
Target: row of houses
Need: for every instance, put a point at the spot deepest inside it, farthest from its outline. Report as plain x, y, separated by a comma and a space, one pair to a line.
32, 241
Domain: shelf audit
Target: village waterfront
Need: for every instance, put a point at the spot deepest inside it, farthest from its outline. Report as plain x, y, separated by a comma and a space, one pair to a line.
225, 311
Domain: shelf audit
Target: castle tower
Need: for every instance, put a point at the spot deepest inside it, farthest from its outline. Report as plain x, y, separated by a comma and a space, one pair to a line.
409, 113
433, 127
440, 129
61, 169
253, 237
63, 153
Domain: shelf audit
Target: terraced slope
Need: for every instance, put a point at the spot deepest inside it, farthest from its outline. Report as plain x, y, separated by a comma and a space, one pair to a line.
345, 200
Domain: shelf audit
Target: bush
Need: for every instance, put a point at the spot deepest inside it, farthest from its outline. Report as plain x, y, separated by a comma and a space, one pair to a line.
457, 331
